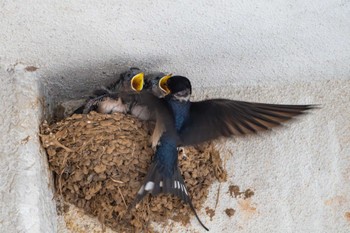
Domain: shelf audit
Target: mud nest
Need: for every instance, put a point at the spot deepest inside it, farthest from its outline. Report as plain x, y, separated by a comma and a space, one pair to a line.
100, 161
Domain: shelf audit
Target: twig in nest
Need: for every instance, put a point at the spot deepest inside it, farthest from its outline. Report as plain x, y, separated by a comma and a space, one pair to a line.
121, 194
117, 181
55, 142
63, 146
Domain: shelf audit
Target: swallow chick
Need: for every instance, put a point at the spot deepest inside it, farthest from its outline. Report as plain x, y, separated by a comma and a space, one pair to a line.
119, 97
125, 84
151, 85
108, 100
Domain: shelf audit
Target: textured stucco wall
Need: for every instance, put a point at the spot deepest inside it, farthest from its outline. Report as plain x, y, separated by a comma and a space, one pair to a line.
26, 199
274, 51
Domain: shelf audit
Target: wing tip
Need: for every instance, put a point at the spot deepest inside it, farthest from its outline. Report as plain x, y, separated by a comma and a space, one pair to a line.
313, 106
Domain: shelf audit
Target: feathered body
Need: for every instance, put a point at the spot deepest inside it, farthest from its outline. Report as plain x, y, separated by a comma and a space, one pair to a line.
164, 175
180, 111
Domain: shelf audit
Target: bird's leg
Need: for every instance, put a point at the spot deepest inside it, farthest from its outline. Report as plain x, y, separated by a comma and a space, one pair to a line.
181, 150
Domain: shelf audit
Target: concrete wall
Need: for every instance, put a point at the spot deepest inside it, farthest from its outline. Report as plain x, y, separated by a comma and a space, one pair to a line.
274, 51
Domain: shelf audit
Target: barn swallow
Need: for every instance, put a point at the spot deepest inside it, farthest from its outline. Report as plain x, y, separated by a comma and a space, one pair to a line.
190, 123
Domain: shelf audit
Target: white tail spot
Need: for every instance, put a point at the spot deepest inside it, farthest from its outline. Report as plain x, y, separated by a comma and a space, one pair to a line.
161, 184
149, 186
178, 184
185, 190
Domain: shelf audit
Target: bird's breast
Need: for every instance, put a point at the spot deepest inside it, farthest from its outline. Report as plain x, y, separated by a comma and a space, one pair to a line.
180, 111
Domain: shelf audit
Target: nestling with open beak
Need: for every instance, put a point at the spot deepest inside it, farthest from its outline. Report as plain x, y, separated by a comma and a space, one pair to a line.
110, 100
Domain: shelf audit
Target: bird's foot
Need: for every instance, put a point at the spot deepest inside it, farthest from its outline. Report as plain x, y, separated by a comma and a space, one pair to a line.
182, 152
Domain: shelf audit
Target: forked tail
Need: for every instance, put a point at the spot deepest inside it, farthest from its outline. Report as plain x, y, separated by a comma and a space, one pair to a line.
157, 181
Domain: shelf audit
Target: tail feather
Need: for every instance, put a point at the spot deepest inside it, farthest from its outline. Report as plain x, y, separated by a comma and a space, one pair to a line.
156, 182
184, 195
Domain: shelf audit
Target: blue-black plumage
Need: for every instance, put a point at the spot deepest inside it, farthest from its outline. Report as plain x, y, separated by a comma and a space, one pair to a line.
164, 175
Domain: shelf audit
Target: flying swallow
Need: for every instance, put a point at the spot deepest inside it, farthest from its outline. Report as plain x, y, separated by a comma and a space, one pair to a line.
189, 123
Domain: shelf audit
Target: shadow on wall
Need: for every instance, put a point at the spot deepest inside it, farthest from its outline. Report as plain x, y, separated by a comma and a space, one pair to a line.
77, 82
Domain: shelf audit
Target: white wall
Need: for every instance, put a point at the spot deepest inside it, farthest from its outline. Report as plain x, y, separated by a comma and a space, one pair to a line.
274, 51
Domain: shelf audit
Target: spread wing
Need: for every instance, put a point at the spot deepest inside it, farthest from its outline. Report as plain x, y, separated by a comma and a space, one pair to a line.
215, 118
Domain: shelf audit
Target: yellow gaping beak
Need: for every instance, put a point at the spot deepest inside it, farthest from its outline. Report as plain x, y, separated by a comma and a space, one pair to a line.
137, 82
163, 84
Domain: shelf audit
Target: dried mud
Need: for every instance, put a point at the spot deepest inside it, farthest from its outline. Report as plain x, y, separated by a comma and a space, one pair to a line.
100, 160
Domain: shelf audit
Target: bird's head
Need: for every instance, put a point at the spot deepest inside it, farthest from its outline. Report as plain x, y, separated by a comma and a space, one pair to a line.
152, 84
177, 86
131, 80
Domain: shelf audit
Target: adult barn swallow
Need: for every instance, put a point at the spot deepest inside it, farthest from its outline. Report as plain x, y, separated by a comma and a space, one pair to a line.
190, 123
